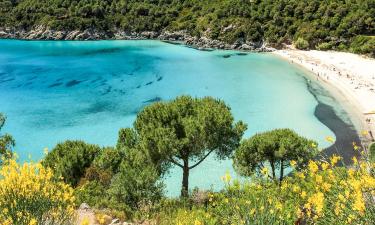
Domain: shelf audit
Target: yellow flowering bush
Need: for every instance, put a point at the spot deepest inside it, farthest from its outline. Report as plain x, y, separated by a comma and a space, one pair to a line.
30, 196
320, 194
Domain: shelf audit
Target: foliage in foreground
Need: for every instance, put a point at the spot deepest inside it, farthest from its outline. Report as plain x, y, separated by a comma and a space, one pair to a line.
6, 141
320, 194
275, 149
372, 152
30, 196
185, 131
70, 160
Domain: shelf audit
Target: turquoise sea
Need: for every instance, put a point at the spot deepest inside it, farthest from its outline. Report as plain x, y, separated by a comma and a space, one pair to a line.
57, 90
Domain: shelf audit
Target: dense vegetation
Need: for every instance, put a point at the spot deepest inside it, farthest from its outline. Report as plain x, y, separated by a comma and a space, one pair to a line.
327, 24
6, 141
126, 181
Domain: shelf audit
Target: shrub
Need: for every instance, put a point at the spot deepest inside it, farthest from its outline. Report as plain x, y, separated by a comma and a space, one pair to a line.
363, 45
109, 159
372, 152
137, 182
319, 194
29, 195
6, 142
301, 44
275, 148
70, 160
324, 46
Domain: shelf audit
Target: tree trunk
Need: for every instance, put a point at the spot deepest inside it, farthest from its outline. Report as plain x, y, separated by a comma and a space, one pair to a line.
273, 170
185, 180
281, 171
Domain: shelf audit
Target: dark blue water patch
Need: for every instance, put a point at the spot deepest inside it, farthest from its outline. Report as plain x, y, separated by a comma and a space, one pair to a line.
138, 68
55, 84
6, 80
156, 99
95, 80
101, 51
139, 86
32, 78
226, 56
120, 91
78, 52
99, 107
73, 83
159, 78
28, 84
241, 54
49, 118
38, 70
149, 83
107, 90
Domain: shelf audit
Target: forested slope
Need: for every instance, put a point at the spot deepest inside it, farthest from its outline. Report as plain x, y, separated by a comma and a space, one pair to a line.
336, 23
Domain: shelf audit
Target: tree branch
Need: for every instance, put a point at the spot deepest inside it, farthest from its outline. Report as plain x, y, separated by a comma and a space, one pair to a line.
201, 160
175, 162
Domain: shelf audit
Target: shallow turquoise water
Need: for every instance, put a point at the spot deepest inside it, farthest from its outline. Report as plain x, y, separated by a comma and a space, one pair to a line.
57, 90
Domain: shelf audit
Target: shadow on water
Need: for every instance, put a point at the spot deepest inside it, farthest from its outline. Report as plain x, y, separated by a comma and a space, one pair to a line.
152, 100
73, 83
345, 133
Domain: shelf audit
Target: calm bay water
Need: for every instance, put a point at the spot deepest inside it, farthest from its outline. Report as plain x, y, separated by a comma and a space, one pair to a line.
57, 90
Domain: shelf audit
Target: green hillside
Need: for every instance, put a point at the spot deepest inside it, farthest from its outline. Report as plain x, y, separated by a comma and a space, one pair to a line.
326, 24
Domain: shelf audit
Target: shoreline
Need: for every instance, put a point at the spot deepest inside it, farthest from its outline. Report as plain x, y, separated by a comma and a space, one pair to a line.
351, 85
42, 33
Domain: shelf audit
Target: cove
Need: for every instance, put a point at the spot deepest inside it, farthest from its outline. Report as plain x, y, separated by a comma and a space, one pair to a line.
52, 91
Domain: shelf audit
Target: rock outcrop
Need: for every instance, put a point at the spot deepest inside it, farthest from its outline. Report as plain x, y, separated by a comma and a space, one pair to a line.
45, 33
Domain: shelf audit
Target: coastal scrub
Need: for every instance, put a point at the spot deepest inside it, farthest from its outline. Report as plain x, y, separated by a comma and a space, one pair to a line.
29, 196
320, 194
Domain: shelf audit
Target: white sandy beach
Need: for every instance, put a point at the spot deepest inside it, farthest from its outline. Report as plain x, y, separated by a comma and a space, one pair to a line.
353, 77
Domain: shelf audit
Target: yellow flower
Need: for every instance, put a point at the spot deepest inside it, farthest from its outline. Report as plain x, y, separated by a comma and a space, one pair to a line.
326, 186
317, 200
335, 159
33, 222
85, 221
325, 166
264, 171
226, 178
279, 206
318, 179
313, 167
364, 132
197, 222
25, 185
355, 161
330, 139
303, 194
301, 175
293, 163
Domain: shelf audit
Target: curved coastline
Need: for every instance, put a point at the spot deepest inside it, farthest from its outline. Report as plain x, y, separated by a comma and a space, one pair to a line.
345, 133
349, 78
